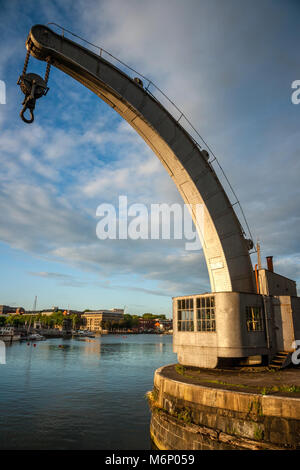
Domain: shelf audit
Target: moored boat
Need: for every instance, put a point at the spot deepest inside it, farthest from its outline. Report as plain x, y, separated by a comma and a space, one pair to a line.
83, 333
8, 334
36, 337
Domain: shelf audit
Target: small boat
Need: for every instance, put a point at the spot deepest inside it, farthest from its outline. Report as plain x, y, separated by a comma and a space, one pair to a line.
83, 333
89, 334
36, 337
8, 334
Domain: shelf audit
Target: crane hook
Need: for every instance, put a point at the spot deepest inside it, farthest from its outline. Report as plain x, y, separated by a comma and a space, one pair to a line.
33, 86
27, 106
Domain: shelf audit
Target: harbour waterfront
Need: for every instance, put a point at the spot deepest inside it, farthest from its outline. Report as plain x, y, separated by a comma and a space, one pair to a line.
80, 393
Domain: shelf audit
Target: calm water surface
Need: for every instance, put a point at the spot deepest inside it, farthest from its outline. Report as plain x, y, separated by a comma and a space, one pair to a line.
88, 395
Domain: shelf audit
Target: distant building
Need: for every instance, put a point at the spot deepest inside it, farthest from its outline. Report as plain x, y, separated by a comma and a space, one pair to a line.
147, 324
165, 325
20, 311
94, 320
151, 324
7, 310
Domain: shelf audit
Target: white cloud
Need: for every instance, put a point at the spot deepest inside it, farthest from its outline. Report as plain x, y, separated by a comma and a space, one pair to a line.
54, 217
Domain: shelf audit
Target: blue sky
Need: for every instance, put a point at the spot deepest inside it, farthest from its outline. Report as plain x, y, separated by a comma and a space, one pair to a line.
228, 65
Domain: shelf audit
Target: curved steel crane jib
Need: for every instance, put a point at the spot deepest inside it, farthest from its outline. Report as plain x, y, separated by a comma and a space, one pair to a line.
225, 247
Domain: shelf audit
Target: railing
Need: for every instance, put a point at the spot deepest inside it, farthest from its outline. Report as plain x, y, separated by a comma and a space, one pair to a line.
177, 114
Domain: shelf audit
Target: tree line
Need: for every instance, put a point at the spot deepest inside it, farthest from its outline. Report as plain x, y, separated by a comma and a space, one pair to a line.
56, 319
48, 321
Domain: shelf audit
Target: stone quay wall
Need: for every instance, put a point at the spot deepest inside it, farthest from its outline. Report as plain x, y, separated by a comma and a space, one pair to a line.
186, 417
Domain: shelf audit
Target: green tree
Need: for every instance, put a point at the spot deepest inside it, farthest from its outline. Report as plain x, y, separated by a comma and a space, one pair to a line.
58, 317
115, 325
13, 320
123, 324
151, 316
107, 325
135, 321
76, 321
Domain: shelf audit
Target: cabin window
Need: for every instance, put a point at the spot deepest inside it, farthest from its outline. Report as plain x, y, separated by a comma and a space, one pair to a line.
254, 319
185, 315
206, 320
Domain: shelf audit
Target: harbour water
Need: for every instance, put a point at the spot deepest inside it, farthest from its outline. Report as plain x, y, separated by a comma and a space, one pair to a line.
80, 393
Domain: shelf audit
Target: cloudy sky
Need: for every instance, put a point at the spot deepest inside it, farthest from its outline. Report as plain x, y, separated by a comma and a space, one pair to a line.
229, 64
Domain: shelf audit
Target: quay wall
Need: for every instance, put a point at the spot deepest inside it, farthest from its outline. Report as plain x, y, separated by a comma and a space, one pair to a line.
186, 417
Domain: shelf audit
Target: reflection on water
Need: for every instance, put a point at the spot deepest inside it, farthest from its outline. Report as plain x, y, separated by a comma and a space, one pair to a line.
80, 393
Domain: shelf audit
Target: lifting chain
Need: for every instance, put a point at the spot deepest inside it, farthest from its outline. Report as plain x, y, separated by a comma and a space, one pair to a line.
33, 86
47, 71
26, 61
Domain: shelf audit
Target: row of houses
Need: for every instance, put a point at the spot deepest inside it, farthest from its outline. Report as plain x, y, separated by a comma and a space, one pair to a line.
155, 324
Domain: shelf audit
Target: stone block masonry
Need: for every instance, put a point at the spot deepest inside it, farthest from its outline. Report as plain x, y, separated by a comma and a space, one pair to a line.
187, 417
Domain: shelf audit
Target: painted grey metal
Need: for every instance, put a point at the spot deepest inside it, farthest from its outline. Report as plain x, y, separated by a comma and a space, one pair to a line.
230, 340
224, 245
